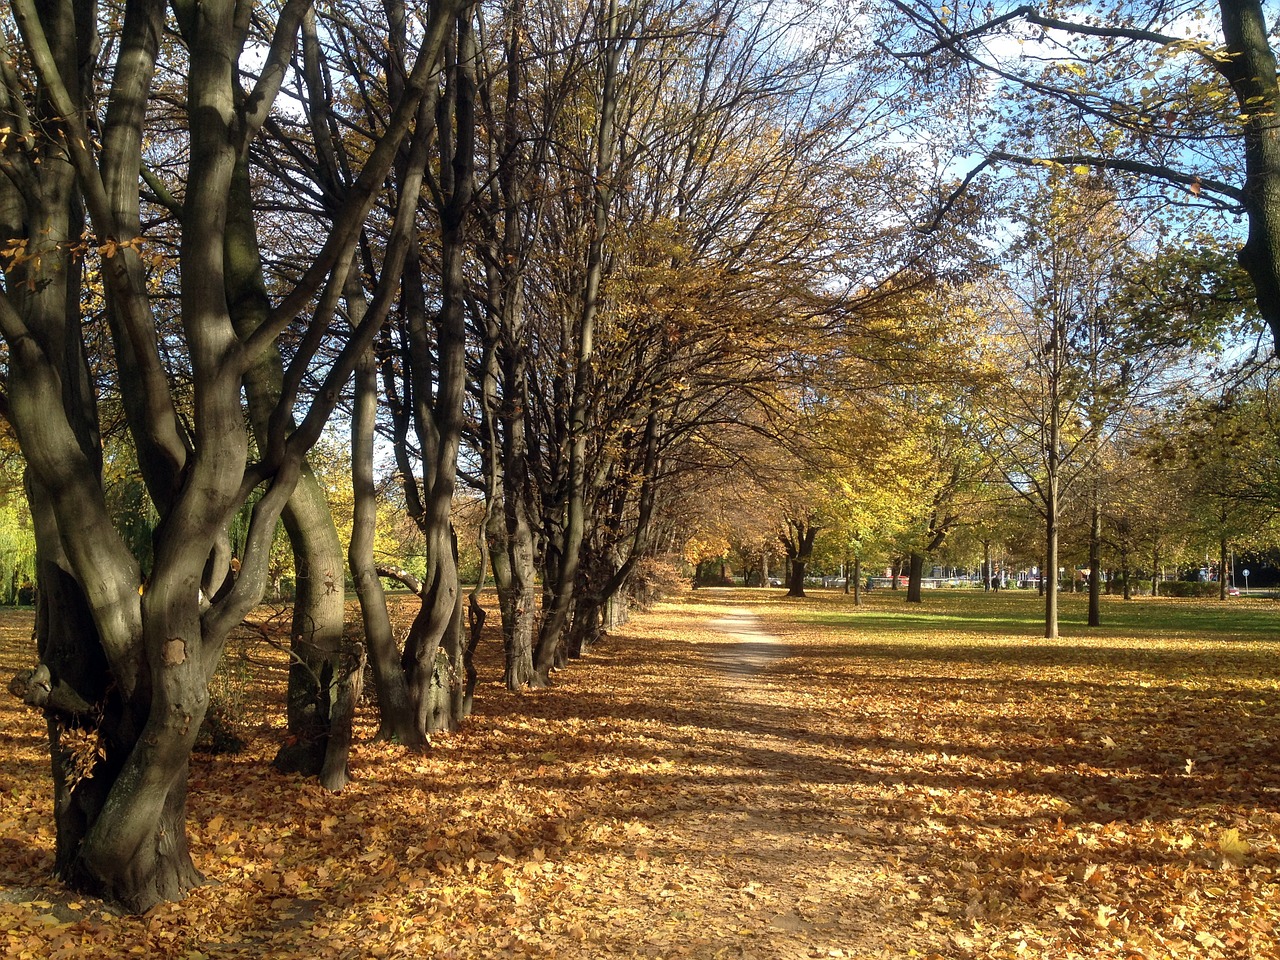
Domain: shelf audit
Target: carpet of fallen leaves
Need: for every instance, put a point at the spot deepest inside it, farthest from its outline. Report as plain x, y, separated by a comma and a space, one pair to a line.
736, 776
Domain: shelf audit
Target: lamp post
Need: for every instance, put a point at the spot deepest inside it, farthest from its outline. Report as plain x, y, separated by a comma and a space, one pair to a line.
1245, 571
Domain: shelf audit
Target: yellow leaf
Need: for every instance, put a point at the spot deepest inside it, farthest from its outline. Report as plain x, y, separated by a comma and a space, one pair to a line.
1232, 846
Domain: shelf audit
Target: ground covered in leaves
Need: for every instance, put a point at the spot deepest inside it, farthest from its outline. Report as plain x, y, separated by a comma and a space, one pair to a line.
734, 775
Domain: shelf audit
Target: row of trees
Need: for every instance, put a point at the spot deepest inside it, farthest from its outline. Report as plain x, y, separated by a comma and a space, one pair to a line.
573, 259
553, 254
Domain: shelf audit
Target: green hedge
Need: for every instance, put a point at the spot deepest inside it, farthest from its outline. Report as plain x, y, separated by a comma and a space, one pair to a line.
1187, 588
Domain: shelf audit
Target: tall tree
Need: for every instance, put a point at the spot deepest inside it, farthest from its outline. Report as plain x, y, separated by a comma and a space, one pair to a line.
129, 652
1041, 428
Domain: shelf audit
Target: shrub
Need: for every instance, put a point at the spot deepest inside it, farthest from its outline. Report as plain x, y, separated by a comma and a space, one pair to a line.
653, 580
1188, 588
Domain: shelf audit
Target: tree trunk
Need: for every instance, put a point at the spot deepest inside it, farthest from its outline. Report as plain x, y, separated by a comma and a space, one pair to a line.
119, 752
315, 637
798, 541
519, 605
335, 768
433, 651
512, 194
1250, 66
795, 580
395, 707
1049, 575
914, 577
120, 728
562, 570
157, 638
1222, 568
587, 626
857, 581
1095, 565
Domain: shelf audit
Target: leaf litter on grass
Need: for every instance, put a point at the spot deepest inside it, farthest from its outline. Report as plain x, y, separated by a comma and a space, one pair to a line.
855, 786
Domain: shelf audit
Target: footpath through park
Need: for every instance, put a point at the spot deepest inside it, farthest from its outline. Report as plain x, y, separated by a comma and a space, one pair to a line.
759, 855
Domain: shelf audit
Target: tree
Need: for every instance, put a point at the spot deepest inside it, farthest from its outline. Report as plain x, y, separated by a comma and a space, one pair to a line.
1226, 449
1167, 94
1042, 426
802, 528
129, 651
17, 538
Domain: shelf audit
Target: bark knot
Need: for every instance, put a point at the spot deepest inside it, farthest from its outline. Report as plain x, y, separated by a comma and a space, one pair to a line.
175, 652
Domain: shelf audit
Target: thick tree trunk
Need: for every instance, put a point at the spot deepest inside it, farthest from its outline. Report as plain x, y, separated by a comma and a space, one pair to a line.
798, 542
335, 769
1250, 67
113, 789
434, 643
318, 610
316, 637
915, 576
796, 576
118, 754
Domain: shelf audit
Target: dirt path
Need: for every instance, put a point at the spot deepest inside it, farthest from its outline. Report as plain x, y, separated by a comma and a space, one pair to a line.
768, 863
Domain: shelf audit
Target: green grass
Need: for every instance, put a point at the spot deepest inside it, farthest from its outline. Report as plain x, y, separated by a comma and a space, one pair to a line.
1018, 613
1171, 643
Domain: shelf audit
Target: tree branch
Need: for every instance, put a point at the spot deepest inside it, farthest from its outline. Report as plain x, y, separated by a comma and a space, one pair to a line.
950, 40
